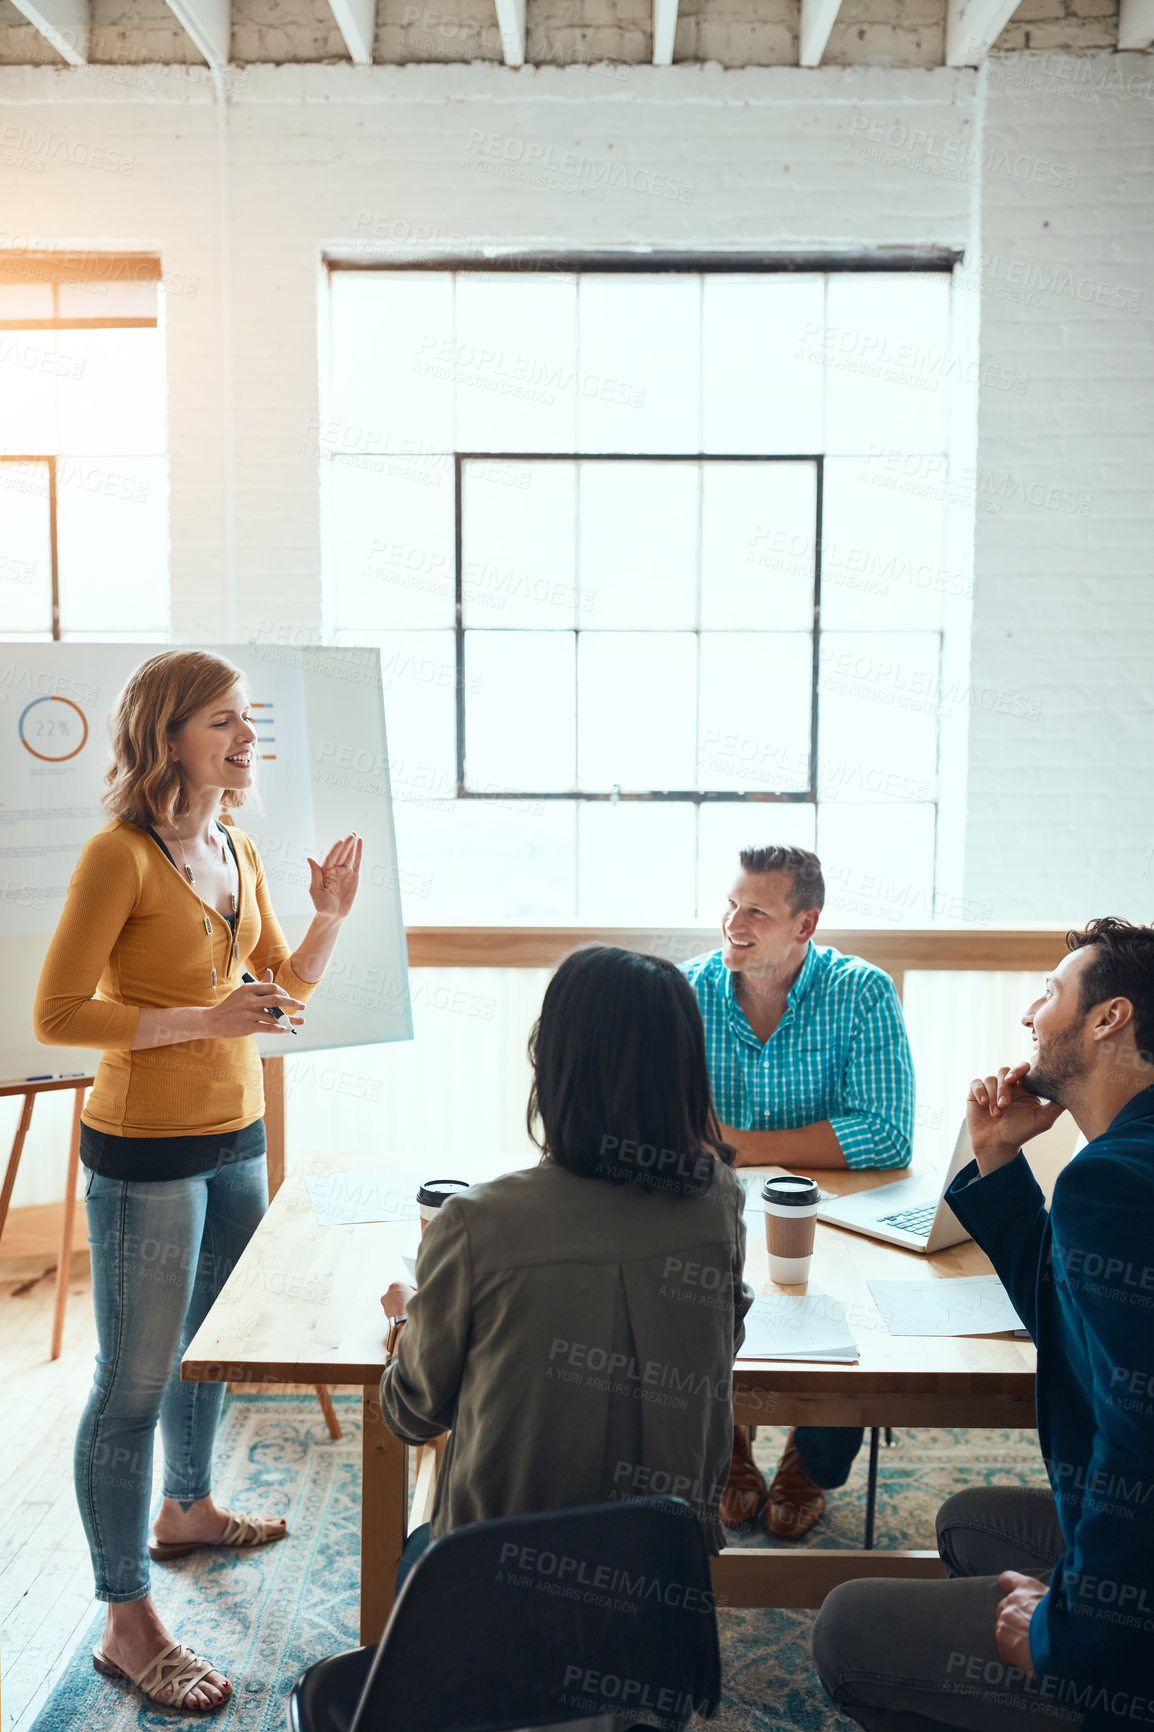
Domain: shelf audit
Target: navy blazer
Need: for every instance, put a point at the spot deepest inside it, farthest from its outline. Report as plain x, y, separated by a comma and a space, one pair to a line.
1082, 1280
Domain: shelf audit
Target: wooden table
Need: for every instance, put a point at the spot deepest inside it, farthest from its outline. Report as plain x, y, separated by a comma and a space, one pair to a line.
303, 1306
913, 1380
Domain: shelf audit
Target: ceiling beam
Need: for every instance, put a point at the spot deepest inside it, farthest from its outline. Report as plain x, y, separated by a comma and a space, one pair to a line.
1135, 24
664, 30
64, 23
356, 21
511, 24
817, 18
208, 23
972, 28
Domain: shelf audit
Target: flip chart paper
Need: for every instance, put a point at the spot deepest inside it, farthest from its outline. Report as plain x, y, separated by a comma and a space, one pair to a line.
319, 716
798, 1326
347, 1199
965, 1305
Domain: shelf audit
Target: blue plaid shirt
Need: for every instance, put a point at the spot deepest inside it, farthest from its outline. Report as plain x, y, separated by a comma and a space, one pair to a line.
840, 1052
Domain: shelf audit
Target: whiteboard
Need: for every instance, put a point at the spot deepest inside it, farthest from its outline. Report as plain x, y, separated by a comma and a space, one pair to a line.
323, 771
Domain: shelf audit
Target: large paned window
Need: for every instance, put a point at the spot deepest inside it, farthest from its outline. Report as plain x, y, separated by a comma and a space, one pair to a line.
660, 563
83, 470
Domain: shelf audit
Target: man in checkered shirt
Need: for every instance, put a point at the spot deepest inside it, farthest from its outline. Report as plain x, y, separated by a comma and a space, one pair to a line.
810, 1066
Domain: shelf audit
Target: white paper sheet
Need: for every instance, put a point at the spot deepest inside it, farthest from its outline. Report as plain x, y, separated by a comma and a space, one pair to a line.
964, 1305
798, 1326
348, 1199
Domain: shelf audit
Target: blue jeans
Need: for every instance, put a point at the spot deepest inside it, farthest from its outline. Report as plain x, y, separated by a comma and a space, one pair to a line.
161, 1251
827, 1452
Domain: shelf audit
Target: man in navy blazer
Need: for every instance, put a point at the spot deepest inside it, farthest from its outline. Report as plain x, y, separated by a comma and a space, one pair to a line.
1049, 1616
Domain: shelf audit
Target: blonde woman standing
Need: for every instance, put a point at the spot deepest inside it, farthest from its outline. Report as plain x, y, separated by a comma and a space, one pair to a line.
165, 909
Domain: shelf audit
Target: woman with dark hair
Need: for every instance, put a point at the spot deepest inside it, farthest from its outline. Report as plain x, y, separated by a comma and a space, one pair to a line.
576, 1323
167, 907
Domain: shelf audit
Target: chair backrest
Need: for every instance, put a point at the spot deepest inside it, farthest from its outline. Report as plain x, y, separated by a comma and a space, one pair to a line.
535, 1619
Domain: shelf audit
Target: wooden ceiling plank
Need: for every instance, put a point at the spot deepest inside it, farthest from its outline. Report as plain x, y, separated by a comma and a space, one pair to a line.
1136, 24
511, 24
356, 21
972, 28
664, 31
817, 20
209, 24
64, 23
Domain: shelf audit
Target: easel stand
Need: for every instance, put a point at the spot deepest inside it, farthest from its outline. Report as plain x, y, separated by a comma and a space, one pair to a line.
64, 1260
274, 1129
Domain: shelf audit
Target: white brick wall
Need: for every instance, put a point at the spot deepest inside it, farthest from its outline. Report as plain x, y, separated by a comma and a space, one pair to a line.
1060, 804
336, 155
1053, 197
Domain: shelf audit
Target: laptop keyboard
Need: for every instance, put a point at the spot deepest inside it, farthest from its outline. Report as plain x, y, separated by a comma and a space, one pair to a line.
918, 1220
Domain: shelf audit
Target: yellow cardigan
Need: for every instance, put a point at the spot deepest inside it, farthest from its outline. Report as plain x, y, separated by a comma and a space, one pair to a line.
131, 936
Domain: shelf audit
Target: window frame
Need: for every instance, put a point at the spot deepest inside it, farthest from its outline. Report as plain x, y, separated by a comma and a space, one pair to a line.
694, 796
404, 250
53, 552
59, 270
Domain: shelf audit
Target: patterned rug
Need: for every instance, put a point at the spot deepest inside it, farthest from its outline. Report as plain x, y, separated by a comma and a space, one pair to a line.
266, 1616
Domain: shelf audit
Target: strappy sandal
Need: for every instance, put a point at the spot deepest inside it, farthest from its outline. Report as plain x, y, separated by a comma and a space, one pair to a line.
175, 1665
243, 1531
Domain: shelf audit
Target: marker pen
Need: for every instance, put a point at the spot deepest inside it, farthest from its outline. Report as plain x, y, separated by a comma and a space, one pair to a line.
273, 1009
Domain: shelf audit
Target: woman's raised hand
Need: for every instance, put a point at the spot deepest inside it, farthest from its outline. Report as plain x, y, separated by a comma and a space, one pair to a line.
333, 882
246, 1011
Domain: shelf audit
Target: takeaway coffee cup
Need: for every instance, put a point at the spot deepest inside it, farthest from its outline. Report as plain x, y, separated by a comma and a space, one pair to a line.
790, 1218
433, 1193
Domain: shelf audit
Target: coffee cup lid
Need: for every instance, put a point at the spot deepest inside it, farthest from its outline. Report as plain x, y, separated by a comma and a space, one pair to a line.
790, 1190
436, 1191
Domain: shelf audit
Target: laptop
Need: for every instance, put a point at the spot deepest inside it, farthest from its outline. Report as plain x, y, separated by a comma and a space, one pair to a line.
912, 1212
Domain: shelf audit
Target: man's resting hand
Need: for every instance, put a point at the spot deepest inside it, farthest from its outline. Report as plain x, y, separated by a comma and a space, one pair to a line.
1012, 1629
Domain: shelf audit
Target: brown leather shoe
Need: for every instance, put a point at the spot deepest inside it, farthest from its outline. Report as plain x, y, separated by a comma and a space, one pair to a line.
795, 1502
744, 1496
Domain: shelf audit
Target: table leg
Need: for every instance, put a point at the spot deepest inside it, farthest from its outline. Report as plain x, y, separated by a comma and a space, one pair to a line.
871, 1490
329, 1411
64, 1261
14, 1158
273, 1069
383, 1512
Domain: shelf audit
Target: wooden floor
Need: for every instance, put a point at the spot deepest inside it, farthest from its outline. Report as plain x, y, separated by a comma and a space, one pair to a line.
46, 1598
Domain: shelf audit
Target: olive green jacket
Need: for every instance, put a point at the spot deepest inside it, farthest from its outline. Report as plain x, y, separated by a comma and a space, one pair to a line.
577, 1338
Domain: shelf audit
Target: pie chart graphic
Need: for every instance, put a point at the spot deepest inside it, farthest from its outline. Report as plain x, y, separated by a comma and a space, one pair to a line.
53, 729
